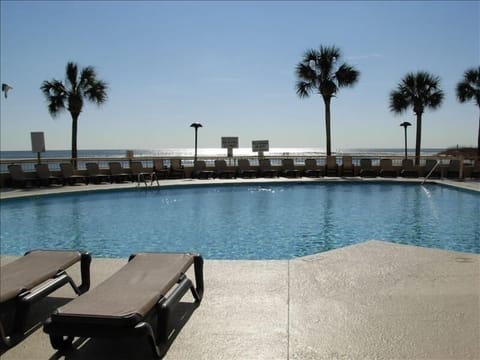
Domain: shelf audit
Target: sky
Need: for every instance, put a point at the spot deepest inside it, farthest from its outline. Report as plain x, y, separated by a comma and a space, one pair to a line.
231, 66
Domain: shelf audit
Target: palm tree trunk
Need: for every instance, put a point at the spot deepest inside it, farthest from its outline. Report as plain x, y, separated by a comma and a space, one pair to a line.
478, 140
419, 139
327, 124
74, 138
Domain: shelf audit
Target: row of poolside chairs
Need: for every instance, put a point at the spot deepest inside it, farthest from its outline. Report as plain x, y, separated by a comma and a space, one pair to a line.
137, 301
92, 175
331, 168
136, 171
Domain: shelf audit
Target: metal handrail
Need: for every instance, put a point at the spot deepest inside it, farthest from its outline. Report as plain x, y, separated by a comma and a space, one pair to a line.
431, 171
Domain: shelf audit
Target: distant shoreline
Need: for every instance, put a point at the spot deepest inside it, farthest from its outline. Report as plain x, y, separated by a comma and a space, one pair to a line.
242, 151
303, 152
460, 151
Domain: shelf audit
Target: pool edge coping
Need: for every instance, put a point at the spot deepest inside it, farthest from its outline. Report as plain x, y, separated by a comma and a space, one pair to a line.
10, 193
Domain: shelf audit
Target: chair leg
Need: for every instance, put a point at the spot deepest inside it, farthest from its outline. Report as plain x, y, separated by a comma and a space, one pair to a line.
7, 340
85, 261
198, 267
60, 342
145, 329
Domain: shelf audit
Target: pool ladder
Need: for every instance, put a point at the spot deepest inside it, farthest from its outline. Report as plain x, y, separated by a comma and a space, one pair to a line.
141, 178
431, 171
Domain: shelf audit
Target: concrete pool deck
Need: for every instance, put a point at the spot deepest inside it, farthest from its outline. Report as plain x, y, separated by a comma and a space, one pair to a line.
374, 300
9, 193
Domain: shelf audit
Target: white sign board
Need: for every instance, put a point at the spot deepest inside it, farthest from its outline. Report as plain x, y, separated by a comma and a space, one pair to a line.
38, 142
259, 145
229, 142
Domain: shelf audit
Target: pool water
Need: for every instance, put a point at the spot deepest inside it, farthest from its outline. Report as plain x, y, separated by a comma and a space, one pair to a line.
243, 221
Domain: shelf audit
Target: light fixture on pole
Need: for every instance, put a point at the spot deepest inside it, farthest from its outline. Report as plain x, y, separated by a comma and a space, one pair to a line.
196, 126
405, 124
5, 89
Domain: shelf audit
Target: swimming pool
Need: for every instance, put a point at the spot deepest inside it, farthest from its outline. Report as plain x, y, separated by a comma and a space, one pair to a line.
243, 221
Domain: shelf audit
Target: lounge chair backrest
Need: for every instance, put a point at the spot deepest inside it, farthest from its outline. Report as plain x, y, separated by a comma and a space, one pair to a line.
264, 164
331, 161
243, 164
116, 168
288, 164
92, 169
199, 165
311, 164
220, 164
136, 167
16, 172
176, 163
347, 162
386, 163
42, 171
67, 170
158, 164
366, 163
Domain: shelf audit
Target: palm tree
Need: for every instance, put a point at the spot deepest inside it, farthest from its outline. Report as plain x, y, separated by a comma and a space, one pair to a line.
72, 95
320, 72
469, 89
417, 90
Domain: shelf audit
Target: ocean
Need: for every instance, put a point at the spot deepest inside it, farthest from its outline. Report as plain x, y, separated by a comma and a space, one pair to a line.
213, 152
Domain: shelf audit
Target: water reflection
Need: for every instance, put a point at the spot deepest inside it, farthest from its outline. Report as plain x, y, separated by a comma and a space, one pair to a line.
244, 222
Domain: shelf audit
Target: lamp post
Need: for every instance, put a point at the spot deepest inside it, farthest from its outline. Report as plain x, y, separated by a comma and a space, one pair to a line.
6, 88
196, 126
405, 124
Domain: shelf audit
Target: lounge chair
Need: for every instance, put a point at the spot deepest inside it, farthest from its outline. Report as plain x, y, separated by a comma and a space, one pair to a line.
94, 175
265, 168
311, 169
176, 169
135, 301
160, 170
200, 170
118, 173
366, 168
475, 174
244, 170
431, 166
288, 169
69, 176
44, 176
332, 166
31, 278
221, 170
347, 168
387, 169
453, 169
138, 173
408, 169
18, 177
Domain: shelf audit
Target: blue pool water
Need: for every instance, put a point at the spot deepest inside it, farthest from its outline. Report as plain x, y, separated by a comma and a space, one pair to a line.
244, 221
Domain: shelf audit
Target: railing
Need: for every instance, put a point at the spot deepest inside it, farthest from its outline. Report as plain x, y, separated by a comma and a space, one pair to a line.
28, 165
54, 163
431, 172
